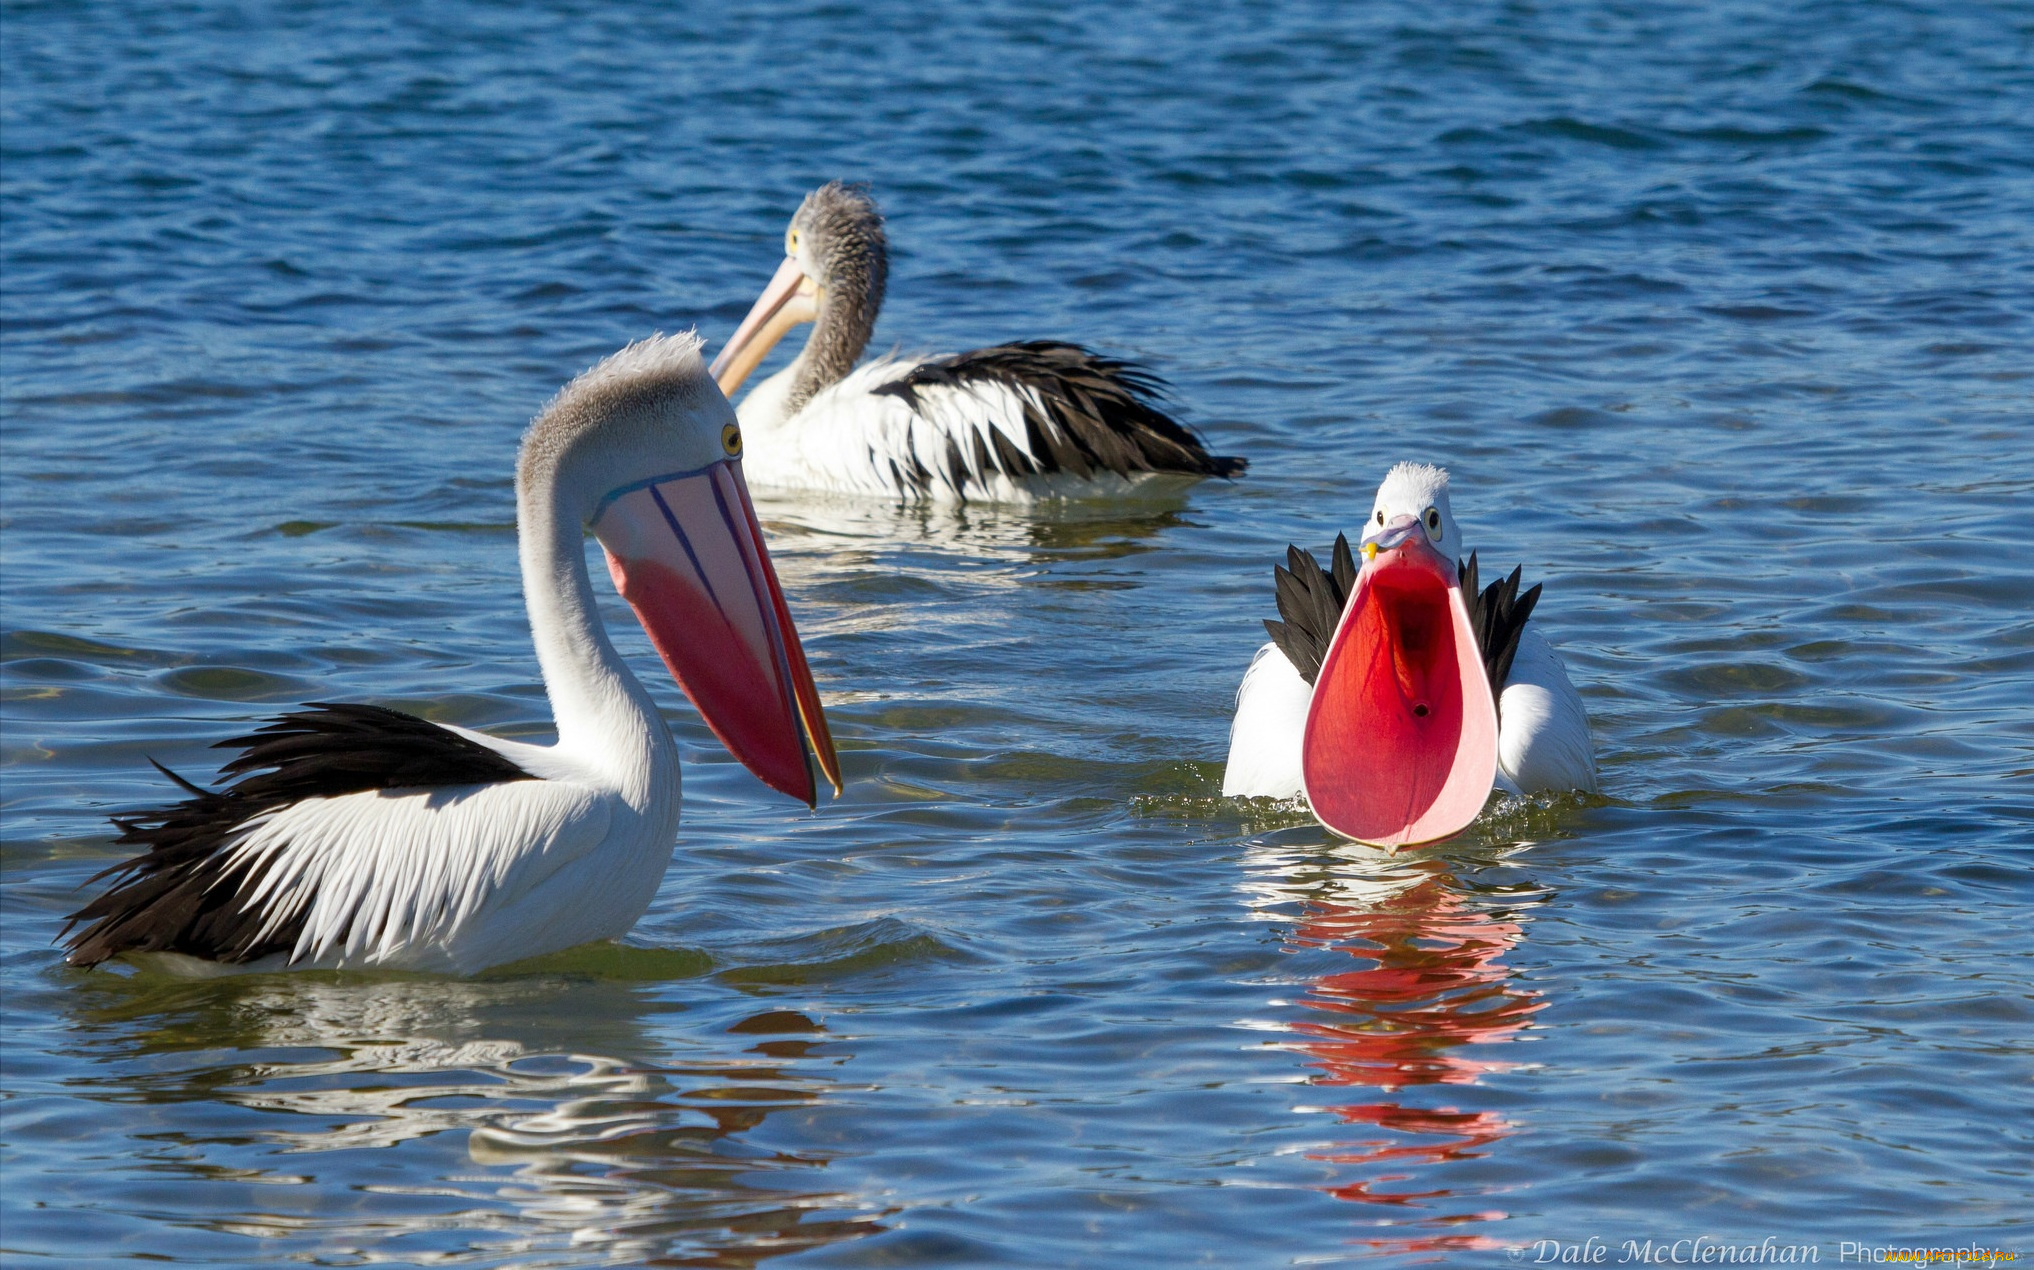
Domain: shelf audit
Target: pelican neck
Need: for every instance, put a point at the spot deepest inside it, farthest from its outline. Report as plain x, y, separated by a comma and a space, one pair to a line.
606, 719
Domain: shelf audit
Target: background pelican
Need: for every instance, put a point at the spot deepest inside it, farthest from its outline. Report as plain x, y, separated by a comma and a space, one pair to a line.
1013, 422
357, 836
1411, 704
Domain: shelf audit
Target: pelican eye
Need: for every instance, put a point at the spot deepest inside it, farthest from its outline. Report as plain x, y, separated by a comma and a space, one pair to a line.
1380, 515
791, 243
731, 441
1434, 523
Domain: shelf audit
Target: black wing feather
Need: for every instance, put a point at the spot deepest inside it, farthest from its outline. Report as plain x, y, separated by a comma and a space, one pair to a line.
183, 893
1498, 614
1310, 603
1012, 459
1097, 412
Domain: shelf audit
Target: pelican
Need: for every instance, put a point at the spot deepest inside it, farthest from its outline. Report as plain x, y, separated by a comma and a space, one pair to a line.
358, 837
1016, 422
1396, 696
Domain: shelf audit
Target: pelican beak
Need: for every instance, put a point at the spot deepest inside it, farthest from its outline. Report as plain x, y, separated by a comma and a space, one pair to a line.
687, 554
1401, 530
792, 297
1400, 746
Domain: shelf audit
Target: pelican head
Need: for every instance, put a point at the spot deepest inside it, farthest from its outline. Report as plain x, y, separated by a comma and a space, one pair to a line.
836, 261
646, 452
1400, 744
1412, 500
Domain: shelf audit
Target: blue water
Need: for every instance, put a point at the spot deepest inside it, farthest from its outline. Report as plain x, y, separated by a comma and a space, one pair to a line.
1722, 315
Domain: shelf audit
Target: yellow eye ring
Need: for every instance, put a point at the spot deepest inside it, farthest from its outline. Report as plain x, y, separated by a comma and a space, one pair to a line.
1434, 523
791, 243
731, 441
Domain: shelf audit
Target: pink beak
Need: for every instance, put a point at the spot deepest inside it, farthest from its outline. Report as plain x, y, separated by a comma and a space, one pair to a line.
687, 554
772, 314
1400, 746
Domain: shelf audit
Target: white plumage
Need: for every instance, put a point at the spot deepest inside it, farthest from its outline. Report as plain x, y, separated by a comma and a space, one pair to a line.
1264, 737
458, 879
1543, 731
851, 439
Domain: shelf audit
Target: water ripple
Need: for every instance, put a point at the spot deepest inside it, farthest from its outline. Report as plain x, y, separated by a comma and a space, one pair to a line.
1718, 313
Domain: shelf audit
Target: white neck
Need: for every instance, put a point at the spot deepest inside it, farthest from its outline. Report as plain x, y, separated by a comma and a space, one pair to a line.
767, 407
606, 719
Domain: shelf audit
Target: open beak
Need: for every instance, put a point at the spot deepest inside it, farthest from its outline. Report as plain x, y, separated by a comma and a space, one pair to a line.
791, 298
1400, 746
687, 554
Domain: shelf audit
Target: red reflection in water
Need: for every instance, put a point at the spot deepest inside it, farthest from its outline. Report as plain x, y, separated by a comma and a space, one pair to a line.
1434, 988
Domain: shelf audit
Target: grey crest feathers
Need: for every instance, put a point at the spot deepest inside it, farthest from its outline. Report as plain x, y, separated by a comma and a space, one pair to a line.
648, 381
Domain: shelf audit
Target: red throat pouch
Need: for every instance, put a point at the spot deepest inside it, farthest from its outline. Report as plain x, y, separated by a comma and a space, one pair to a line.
1401, 735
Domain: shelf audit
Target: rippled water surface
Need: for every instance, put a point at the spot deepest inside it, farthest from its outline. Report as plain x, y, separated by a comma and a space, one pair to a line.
1719, 313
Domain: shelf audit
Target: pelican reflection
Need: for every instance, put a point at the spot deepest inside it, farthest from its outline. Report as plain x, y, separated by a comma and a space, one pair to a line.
583, 1132
1427, 999
825, 540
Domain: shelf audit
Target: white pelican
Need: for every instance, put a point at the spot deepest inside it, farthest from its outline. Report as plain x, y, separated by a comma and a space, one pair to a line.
356, 836
1394, 697
1015, 422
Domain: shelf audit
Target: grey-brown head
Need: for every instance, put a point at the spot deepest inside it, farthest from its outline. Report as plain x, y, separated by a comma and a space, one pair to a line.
836, 262
647, 410
837, 238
